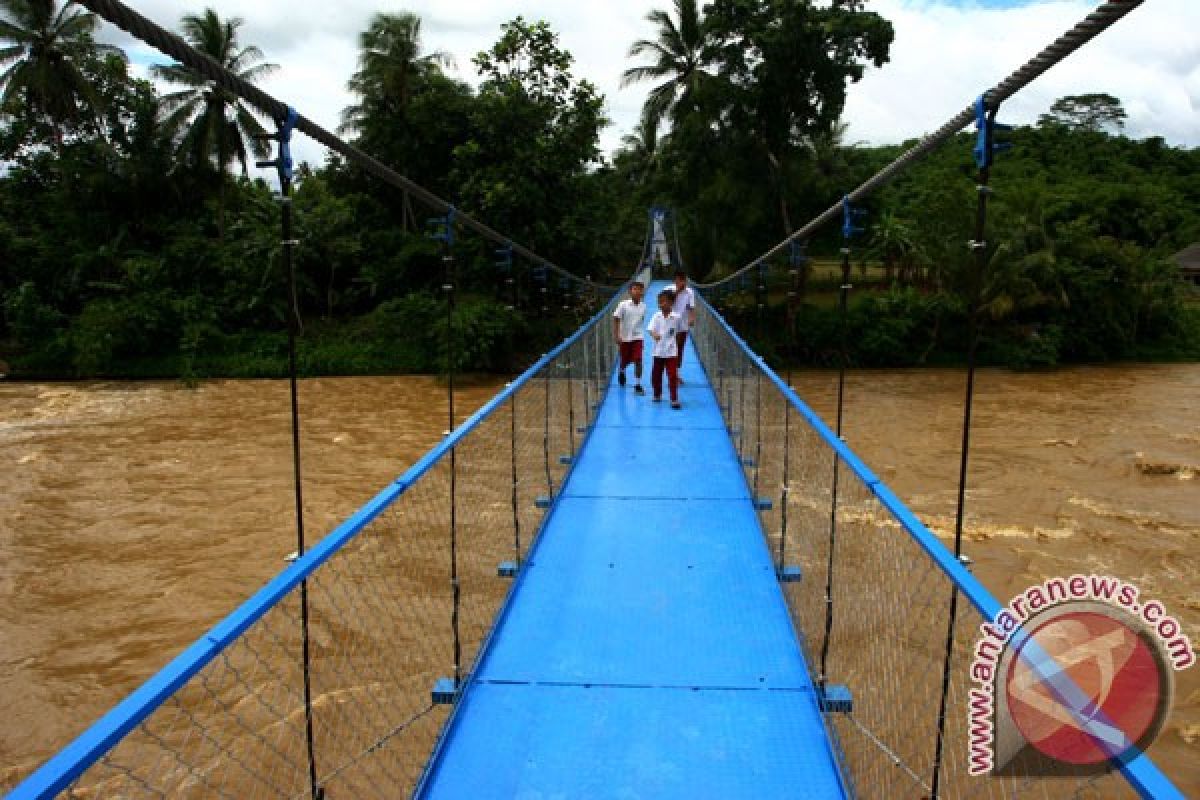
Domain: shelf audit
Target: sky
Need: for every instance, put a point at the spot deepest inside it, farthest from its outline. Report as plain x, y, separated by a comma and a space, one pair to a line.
946, 52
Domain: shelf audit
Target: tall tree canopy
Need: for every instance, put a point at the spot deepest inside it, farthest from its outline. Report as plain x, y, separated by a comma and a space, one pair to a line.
210, 125
1086, 112
534, 134
391, 67
676, 59
787, 65
43, 49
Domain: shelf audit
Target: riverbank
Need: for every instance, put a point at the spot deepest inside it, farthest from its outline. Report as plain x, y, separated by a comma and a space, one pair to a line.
931, 336
899, 328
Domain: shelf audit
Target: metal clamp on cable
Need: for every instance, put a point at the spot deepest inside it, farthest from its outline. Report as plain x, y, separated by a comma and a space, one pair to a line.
442, 228
504, 261
851, 217
282, 163
986, 144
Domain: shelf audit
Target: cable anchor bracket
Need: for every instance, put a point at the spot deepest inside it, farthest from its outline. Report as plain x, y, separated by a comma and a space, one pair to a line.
283, 163
987, 145
852, 218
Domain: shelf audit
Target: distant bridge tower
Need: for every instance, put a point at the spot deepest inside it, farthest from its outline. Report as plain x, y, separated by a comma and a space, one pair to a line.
661, 250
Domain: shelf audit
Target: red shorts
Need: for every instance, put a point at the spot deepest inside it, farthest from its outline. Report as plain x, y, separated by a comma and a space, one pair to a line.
631, 352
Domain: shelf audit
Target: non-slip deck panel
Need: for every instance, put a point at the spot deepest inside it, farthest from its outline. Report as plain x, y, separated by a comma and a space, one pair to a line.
647, 651
676, 593
576, 742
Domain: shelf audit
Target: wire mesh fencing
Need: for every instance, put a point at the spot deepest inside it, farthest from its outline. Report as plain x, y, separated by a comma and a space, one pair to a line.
403, 594
869, 603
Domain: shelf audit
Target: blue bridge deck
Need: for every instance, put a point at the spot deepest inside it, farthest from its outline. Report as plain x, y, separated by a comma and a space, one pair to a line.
647, 650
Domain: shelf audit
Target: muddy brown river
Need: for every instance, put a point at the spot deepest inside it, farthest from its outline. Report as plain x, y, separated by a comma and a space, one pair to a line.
135, 516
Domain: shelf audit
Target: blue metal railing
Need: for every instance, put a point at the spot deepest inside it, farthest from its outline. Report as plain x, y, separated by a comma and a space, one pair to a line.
580, 366
728, 356
587, 376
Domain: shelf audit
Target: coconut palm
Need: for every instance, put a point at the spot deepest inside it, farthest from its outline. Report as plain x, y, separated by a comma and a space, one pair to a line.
210, 125
42, 48
676, 60
894, 240
390, 67
638, 154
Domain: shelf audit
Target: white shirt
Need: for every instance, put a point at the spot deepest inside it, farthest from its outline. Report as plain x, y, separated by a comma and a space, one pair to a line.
685, 304
631, 317
666, 327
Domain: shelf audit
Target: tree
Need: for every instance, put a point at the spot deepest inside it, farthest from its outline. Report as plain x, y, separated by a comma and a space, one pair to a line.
42, 57
210, 125
534, 135
788, 63
895, 242
390, 67
1086, 112
677, 59
391, 71
638, 155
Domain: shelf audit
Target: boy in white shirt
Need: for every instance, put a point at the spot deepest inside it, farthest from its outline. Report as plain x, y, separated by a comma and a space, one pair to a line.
685, 306
664, 325
627, 330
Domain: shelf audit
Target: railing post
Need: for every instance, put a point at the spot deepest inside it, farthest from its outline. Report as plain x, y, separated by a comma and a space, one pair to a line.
546, 428
795, 261
850, 228
516, 509
283, 165
445, 233
985, 151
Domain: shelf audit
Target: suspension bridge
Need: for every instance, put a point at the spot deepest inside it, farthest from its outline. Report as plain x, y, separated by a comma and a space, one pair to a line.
581, 593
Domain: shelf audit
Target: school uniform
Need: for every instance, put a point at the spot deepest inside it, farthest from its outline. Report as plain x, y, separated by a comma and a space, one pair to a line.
685, 305
666, 353
630, 317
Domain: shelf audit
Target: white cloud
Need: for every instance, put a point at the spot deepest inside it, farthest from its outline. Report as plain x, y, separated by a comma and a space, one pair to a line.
943, 56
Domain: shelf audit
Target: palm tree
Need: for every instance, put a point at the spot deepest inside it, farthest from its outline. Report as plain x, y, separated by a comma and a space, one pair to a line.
896, 243
41, 52
677, 60
390, 67
210, 125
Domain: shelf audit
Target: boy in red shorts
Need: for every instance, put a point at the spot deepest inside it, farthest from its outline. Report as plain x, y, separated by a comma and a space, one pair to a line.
663, 327
627, 330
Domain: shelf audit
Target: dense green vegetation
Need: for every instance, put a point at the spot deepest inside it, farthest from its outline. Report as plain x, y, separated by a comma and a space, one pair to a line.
134, 241
1082, 229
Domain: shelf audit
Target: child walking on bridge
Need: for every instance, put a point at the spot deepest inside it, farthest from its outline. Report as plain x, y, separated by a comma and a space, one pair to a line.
664, 325
627, 330
684, 304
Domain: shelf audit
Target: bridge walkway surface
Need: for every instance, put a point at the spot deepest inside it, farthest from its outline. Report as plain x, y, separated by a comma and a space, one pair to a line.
647, 650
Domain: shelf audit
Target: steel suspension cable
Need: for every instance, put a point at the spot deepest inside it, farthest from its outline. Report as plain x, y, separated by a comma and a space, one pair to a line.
1087, 29
174, 46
